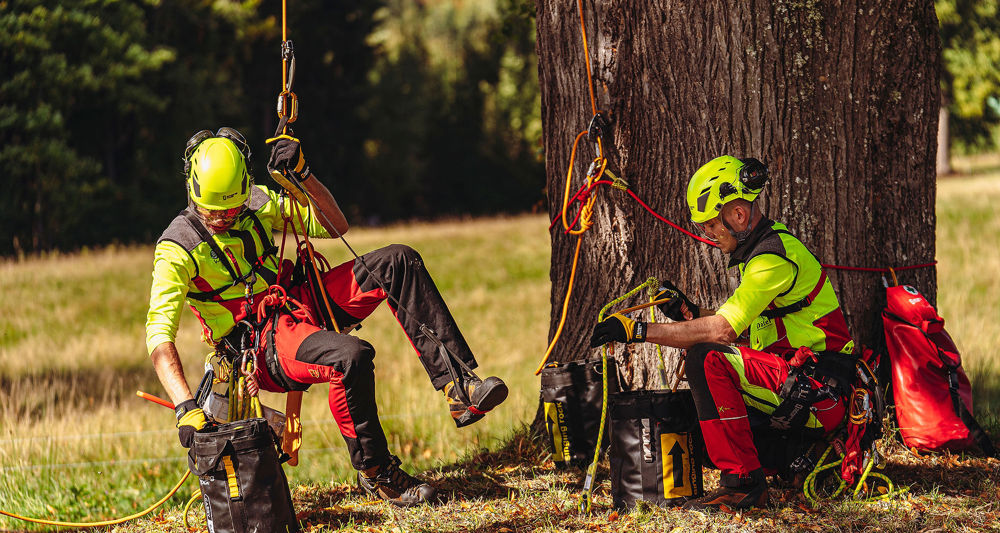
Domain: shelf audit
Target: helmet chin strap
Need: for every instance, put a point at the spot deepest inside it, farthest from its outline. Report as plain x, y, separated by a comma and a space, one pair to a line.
741, 236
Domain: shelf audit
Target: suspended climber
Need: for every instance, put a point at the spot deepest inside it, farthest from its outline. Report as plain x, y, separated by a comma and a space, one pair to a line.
218, 255
754, 405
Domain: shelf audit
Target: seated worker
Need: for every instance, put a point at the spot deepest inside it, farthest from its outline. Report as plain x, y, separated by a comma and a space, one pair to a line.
219, 256
786, 301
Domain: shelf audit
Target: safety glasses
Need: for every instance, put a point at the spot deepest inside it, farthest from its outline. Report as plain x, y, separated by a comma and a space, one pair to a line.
226, 133
220, 214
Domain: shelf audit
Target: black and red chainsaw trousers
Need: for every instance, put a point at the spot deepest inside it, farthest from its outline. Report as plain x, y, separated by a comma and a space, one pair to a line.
726, 382
301, 353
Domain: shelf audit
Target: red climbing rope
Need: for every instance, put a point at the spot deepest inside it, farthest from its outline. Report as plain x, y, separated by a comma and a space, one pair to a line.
583, 195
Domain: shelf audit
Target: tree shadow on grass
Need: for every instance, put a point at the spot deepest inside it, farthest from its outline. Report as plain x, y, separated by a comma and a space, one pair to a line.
482, 473
336, 508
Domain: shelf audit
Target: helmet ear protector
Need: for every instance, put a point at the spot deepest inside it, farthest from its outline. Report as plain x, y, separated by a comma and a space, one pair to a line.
753, 175
226, 133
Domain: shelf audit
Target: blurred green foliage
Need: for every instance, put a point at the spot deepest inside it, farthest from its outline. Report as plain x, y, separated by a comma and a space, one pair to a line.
407, 109
970, 39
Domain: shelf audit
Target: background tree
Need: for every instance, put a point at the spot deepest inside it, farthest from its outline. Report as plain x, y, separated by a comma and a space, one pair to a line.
970, 79
842, 100
422, 109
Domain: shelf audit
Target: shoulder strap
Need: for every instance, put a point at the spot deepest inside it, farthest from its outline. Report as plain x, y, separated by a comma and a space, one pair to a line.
207, 237
265, 238
978, 434
778, 312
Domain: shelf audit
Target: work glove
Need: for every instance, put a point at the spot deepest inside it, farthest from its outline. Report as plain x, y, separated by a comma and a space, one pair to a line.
620, 328
286, 155
672, 308
190, 418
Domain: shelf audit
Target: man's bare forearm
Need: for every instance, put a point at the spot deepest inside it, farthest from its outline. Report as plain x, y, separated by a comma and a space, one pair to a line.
327, 204
167, 363
713, 328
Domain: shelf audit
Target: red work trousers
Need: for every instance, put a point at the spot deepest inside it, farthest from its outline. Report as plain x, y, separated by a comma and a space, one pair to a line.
296, 353
726, 382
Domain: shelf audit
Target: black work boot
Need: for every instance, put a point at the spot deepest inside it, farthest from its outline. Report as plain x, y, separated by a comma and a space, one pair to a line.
392, 484
735, 492
483, 395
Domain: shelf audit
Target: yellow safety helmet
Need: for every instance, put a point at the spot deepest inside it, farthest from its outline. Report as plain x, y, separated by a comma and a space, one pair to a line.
216, 169
721, 181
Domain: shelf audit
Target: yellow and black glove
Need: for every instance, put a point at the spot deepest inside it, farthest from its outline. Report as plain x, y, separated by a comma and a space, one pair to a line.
672, 307
618, 328
190, 418
286, 156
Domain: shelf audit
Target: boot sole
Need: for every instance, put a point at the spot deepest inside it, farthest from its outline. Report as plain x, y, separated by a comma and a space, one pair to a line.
494, 396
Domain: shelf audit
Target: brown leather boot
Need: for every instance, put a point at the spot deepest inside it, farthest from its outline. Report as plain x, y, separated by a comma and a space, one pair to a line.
392, 484
736, 493
484, 395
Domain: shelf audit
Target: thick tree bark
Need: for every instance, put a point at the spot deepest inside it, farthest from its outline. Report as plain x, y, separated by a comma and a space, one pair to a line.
842, 101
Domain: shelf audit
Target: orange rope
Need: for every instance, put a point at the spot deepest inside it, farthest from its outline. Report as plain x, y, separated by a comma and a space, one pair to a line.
562, 320
312, 260
594, 175
284, 38
586, 56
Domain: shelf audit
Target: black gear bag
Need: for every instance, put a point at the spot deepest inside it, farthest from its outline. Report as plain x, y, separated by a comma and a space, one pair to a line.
572, 396
242, 483
656, 448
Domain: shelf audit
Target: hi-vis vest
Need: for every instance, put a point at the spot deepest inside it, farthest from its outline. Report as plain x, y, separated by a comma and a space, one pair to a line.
210, 272
808, 313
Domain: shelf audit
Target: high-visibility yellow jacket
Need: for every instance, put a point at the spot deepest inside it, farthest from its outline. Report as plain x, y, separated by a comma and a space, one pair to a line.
187, 268
784, 296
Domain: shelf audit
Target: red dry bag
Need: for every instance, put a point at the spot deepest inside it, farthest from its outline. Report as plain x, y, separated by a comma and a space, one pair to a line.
932, 394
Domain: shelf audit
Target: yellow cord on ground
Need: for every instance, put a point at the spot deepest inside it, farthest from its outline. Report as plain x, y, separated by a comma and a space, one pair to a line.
194, 497
105, 522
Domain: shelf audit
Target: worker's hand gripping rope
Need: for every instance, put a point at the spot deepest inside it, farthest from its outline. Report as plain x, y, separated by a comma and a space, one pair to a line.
678, 306
287, 164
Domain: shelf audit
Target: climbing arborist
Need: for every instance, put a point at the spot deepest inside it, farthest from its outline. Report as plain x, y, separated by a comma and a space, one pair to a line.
748, 395
218, 255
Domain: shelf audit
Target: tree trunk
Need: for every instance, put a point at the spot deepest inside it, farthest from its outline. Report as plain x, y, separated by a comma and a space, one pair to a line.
842, 102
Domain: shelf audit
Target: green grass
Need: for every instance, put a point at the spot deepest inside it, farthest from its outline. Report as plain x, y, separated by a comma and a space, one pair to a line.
75, 443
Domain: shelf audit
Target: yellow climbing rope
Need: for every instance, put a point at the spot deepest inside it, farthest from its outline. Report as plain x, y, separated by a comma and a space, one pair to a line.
652, 284
103, 523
